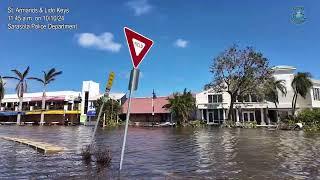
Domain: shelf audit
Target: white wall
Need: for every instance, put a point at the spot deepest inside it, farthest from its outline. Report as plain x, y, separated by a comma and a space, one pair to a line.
202, 99
93, 89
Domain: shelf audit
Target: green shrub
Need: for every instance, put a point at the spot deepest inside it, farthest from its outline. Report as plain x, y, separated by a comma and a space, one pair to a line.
197, 123
310, 118
103, 156
252, 124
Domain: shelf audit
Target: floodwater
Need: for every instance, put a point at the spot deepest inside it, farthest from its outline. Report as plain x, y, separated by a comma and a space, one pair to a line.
164, 153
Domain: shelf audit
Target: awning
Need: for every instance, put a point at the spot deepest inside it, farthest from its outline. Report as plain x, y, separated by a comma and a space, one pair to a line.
54, 112
10, 113
49, 98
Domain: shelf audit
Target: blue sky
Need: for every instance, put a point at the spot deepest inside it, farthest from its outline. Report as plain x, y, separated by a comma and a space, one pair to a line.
187, 36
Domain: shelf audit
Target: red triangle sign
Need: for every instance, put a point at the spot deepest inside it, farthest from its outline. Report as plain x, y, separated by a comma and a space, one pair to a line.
138, 44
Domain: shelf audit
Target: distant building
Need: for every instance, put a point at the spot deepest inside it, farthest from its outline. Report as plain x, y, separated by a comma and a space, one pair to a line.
143, 111
213, 106
61, 106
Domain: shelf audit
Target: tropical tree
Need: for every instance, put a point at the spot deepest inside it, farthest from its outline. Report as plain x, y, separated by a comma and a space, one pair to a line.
272, 89
21, 87
181, 105
2, 90
47, 78
301, 85
239, 73
110, 111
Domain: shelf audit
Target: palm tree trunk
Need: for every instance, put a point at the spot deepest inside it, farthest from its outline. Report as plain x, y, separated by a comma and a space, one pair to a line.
268, 116
277, 113
19, 110
20, 106
294, 103
43, 106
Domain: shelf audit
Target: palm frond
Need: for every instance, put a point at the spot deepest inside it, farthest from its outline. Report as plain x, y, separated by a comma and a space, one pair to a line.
50, 80
280, 85
301, 83
25, 73
18, 73
44, 75
51, 71
10, 77
36, 79
56, 74
50, 76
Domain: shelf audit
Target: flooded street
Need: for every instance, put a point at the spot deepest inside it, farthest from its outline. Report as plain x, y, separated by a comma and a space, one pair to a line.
159, 153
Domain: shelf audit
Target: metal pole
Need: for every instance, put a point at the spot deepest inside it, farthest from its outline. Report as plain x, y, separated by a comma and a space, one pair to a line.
99, 115
111, 115
133, 86
126, 128
97, 123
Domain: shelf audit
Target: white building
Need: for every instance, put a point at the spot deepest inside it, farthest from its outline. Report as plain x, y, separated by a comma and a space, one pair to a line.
75, 103
57, 100
212, 106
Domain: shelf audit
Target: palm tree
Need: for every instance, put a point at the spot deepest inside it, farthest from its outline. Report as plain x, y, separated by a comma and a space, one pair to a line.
301, 85
2, 90
46, 79
272, 89
181, 106
21, 87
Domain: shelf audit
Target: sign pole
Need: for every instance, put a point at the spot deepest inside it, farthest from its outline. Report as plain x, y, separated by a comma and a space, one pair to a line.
139, 46
105, 99
97, 123
133, 84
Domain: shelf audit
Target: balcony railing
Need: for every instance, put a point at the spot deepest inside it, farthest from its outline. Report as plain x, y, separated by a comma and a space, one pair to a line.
38, 108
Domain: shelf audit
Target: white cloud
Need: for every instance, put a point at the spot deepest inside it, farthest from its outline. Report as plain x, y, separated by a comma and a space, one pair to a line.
103, 42
181, 43
139, 6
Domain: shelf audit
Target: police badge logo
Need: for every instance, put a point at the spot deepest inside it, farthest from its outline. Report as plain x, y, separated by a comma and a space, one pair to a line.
298, 16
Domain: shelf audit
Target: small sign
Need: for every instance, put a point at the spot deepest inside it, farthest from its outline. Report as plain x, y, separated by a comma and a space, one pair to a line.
138, 44
110, 81
91, 113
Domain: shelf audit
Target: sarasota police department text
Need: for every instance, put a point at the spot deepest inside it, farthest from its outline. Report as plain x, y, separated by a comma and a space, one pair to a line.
41, 18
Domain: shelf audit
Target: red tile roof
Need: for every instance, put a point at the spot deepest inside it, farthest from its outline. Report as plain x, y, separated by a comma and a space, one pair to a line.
144, 105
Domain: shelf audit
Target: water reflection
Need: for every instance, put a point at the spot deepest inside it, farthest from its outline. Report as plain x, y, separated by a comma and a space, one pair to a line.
299, 155
172, 153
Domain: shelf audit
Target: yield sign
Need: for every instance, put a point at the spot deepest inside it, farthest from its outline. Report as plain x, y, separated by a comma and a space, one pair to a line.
138, 44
